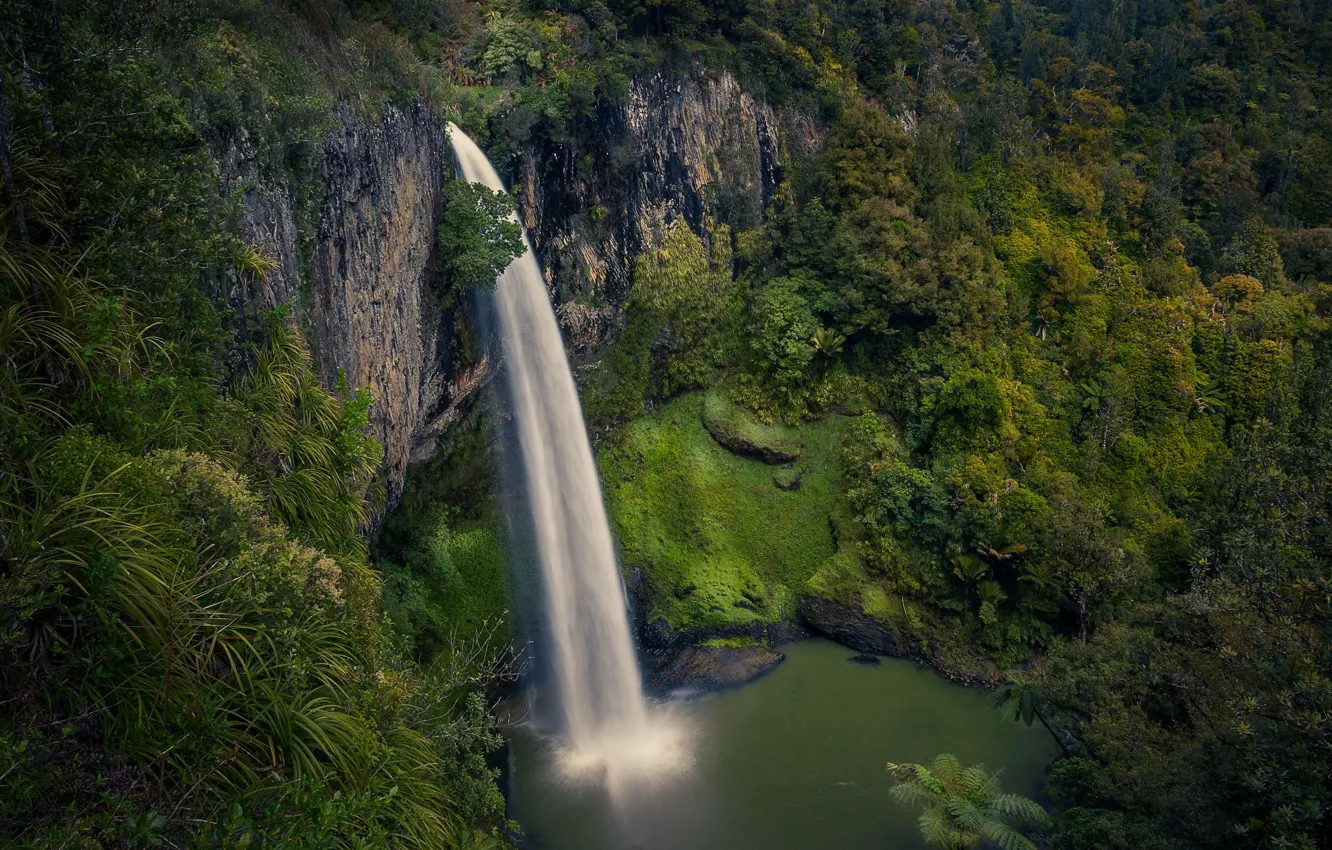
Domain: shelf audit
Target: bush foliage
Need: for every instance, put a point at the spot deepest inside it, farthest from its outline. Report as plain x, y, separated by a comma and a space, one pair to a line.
191, 645
1060, 261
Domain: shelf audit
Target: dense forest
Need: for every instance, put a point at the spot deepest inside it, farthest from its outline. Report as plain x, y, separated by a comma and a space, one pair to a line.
1063, 266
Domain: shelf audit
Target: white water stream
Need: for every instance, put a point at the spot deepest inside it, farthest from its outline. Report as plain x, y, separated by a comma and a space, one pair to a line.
609, 732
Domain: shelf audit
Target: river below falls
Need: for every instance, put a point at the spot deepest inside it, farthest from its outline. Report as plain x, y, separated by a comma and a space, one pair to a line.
794, 761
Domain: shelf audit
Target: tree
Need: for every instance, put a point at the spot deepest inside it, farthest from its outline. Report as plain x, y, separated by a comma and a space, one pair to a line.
784, 330
964, 805
1210, 398
1094, 395
1237, 291
1255, 252
968, 566
827, 344
1091, 555
478, 237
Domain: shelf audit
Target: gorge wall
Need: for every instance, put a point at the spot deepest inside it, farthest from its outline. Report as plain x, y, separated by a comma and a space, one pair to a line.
355, 251
687, 143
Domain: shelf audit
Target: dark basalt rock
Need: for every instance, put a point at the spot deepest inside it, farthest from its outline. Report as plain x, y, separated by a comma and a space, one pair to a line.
865, 659
688, 143
786, 631
849, 626
708, 668
658, 633
357, 266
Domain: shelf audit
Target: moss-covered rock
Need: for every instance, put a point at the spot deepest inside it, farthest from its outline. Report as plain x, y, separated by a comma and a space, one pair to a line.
738, 432
786, 479
850, 604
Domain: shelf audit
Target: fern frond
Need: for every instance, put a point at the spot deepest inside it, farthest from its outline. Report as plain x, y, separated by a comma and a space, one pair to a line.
1005, 836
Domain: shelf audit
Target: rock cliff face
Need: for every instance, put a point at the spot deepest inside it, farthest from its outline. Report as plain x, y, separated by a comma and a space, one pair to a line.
687, 143
355, 253
355, 245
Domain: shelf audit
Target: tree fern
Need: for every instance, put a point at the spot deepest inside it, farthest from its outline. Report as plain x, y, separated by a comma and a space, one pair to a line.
1019, 701
961, 806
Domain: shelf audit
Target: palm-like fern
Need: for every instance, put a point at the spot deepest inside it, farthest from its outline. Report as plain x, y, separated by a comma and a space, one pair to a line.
963, 806
1020, 702
1039, 589
1211, 398
827, 342
967, 566
1094, 395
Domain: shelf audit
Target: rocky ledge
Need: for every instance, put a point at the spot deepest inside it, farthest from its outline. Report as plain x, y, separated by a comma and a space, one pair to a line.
710, 668
852, 627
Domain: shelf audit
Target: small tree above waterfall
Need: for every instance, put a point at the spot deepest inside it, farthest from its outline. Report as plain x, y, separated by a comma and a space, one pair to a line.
478, 237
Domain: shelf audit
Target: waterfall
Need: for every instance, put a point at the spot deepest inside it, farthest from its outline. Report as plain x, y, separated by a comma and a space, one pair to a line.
608, 729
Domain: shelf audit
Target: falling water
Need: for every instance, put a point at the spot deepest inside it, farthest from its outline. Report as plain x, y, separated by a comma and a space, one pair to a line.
608, 730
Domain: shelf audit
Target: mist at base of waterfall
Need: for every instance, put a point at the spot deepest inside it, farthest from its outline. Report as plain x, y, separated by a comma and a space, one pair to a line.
658, 752
623, 768
641, 788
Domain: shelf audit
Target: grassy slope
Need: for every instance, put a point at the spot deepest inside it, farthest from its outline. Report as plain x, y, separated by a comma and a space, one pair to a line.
688, 512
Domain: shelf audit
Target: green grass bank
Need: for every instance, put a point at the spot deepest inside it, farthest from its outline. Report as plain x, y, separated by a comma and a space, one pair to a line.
722, 540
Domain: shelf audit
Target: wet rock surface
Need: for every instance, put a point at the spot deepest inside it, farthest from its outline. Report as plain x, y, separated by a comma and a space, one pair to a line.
850, 627
709, 668
870, 636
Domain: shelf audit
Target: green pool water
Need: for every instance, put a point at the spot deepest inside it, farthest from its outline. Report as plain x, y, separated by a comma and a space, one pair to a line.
794, 760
